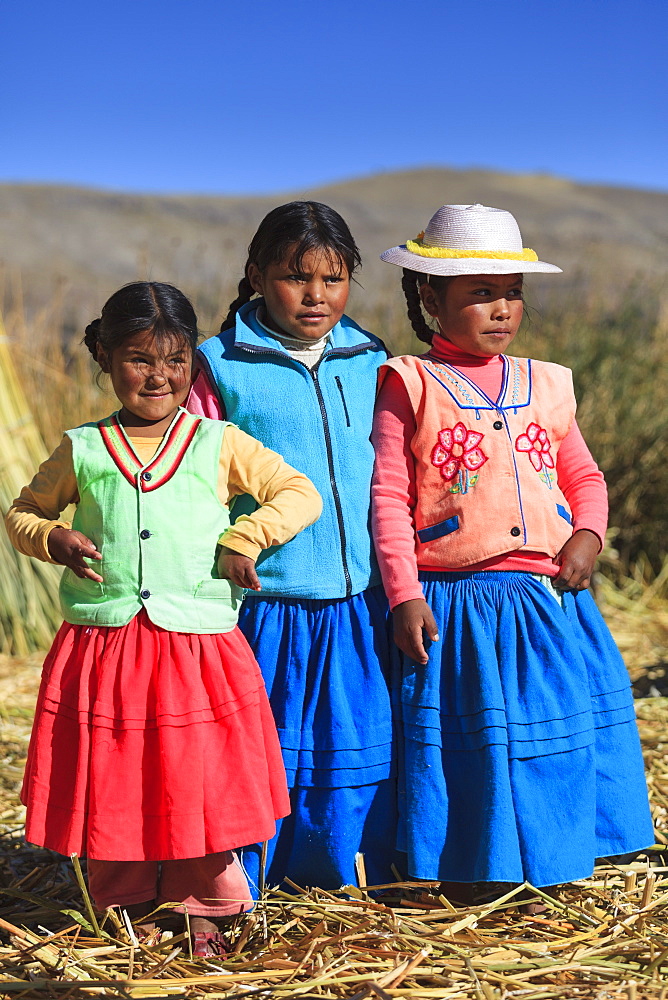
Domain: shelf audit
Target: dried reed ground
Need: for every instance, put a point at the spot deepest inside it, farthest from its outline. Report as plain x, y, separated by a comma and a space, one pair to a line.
605, 937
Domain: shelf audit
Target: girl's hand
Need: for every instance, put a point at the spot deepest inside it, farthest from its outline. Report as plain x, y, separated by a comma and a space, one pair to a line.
411, 620
239, 569
69, 548
577, 559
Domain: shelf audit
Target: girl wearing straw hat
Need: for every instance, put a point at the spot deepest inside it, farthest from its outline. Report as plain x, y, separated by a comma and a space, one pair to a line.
521, 755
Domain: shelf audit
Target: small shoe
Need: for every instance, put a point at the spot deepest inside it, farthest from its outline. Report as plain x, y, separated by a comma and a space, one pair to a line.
422, 901
536, 909
209, 944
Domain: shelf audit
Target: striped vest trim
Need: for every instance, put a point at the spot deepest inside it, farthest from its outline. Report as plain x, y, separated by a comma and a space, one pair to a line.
165, 464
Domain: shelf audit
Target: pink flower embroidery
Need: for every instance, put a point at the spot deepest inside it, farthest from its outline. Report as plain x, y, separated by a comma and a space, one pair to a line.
457, 448
537, 445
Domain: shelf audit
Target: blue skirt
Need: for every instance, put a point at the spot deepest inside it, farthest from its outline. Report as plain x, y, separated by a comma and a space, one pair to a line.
520, 754
327, 666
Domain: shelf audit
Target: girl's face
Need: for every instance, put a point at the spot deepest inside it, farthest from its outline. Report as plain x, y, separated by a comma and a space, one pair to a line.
304, 304
478, 313
151, 379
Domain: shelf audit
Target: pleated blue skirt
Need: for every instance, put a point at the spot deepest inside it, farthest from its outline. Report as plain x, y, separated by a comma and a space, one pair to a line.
327, 667
520, 752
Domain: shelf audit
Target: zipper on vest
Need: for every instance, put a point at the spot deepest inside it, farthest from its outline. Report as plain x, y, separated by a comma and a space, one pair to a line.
343, 399
313, 372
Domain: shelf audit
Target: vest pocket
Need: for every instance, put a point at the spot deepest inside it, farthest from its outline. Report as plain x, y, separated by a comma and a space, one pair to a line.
221, 590
562, 512
439, 530
82, 585
343, 399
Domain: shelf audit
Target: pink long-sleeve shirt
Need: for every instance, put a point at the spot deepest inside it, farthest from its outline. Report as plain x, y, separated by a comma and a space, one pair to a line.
203, 400
394, 485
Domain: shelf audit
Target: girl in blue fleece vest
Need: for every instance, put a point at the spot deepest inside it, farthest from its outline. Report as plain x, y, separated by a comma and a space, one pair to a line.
290, 368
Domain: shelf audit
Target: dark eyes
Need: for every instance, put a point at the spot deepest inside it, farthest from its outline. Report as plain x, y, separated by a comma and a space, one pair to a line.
513, 293
330, 279
138, 359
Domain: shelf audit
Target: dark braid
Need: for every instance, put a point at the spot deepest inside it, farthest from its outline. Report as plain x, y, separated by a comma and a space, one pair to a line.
246, 293
410, 283
91, 337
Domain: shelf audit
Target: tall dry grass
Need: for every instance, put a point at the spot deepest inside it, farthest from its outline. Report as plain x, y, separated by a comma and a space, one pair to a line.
621, 381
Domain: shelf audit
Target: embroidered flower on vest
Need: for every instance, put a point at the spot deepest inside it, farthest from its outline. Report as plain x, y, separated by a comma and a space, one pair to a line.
536, 444
457, 451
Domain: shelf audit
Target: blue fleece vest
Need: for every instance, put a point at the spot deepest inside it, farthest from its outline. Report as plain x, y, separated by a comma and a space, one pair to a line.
320, 421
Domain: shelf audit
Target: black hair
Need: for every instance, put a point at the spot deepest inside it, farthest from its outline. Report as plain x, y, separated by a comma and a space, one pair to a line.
296, 229
411, 283
143, 305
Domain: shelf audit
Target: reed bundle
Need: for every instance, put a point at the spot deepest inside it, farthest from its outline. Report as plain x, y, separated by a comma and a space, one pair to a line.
29, 612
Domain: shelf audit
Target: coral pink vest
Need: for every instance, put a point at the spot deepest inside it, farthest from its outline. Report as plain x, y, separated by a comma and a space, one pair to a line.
485, 471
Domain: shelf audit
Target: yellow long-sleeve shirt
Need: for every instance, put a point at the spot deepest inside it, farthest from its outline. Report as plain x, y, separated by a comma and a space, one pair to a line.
290, 501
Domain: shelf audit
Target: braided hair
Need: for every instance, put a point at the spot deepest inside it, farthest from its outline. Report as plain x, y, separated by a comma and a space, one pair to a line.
143, 305
245, 293
294, 230
411, 283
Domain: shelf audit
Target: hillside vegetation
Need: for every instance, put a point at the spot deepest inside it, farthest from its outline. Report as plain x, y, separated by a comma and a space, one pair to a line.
84, 243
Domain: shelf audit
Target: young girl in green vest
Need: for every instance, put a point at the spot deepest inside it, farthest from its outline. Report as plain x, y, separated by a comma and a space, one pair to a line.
154, 752
520, 750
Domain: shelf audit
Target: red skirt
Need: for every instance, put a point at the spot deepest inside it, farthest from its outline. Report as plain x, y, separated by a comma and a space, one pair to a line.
151, 745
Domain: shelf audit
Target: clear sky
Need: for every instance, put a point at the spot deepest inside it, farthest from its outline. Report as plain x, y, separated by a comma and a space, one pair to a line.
274, 95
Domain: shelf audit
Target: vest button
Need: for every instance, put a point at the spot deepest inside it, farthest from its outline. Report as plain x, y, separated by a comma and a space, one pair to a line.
515, 532
145, 533
147, 477
497, 425
145, 594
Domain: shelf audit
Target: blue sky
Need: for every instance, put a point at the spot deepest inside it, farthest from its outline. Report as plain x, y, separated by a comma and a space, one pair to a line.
278, 95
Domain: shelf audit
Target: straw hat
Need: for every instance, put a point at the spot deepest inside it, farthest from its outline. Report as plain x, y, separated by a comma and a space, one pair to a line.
468, 239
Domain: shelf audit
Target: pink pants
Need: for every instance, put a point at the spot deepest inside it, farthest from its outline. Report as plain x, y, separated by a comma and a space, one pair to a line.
212, 886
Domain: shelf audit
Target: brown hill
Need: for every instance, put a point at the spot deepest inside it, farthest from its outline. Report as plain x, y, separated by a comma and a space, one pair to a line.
88, 242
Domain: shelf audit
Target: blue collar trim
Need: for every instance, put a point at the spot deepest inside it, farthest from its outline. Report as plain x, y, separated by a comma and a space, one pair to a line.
346, 336
515, 386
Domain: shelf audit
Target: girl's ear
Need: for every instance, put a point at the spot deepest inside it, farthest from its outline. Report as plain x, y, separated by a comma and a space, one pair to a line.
102, 360
255, 279
429, 299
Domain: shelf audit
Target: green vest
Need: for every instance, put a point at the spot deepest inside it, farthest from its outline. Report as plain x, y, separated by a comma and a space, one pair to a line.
157, 527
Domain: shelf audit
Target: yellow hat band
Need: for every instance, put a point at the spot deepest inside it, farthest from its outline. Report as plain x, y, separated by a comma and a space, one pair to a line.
416, 246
